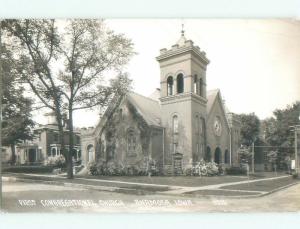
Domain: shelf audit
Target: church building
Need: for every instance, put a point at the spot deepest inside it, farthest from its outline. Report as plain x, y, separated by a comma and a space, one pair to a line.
177, 126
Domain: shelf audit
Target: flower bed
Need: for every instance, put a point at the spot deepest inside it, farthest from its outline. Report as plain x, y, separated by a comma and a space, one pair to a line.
117, 169
203, 168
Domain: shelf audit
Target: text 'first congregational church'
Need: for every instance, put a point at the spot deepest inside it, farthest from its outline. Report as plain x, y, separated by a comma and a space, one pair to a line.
178, 125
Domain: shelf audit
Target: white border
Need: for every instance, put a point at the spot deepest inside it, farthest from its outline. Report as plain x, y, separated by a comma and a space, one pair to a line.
147, 9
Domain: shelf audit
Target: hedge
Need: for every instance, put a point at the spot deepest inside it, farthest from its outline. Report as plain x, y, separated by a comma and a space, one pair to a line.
236, 171
29, 169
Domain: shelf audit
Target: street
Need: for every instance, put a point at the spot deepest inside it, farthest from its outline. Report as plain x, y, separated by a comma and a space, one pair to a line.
33, 197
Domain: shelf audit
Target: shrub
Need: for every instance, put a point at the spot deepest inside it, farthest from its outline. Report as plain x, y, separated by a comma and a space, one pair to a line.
202, 168
152, 168
295, 175
118, 169
212, 169
29, 169
136, 170
236, 171
57, 161
188, 171
93, 168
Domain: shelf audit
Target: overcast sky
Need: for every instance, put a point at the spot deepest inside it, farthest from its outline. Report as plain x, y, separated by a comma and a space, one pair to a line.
255, 63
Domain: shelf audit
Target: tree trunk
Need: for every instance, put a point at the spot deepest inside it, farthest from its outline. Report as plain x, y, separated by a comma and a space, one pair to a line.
61, 133
71, 146
13, 154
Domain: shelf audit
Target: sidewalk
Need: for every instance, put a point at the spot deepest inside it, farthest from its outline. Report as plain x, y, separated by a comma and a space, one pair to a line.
148, 188
218, 186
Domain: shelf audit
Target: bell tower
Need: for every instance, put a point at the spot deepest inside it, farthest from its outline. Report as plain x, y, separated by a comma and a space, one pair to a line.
183, 100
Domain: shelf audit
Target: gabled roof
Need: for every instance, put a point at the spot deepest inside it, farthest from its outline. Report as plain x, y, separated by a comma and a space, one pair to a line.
211, 97
147, 107
155, 95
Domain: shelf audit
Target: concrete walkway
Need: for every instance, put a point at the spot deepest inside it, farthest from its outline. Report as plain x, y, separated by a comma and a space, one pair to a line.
182, 190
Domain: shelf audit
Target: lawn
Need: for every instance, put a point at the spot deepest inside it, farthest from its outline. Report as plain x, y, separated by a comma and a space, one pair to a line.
144, 184
186, 181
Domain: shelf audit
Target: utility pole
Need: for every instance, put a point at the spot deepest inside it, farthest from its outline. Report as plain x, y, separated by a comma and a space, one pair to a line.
1, 87
253, 157
296, 151
296, 128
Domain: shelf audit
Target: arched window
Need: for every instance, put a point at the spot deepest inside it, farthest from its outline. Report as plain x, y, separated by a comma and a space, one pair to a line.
90, 152
226, 157
180, 84
170, 85
131, 142
201, 148
202, 127
218, 155
201, 88
207, 156
195, 85
175, 124
197, 124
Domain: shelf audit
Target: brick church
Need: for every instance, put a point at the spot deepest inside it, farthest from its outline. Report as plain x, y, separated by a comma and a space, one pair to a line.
178, 125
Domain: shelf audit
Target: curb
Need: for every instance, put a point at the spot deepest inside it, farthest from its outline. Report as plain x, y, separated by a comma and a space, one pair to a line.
82, 186
233, 197
9, 179
251, 196
280, 188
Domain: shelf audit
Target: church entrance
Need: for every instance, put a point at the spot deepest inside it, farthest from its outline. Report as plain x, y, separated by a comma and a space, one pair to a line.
177, 163
218, 154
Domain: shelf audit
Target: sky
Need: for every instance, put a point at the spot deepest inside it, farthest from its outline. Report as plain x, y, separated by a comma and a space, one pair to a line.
255, 63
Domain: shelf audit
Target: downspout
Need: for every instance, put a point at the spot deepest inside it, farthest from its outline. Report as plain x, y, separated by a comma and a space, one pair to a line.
150, 144
230, 146
163, 148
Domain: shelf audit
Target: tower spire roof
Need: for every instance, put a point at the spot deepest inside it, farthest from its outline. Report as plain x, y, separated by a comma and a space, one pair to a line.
182, 38
182, 29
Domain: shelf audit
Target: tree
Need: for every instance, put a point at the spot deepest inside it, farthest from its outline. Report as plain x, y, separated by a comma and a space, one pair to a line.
277, 130
250, 128
17, 121
65, 63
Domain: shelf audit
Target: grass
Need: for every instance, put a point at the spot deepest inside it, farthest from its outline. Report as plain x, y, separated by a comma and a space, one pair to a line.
140, 182
186, 181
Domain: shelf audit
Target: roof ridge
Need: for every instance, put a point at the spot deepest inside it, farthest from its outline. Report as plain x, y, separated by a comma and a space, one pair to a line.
216, 89
144, 96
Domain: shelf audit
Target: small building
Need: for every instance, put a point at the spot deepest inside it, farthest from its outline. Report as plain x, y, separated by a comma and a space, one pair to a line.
46, 144
178, 125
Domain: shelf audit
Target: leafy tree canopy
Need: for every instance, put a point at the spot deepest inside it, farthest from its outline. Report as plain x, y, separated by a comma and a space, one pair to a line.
250, 128
277, 129
17, 121
66, 63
